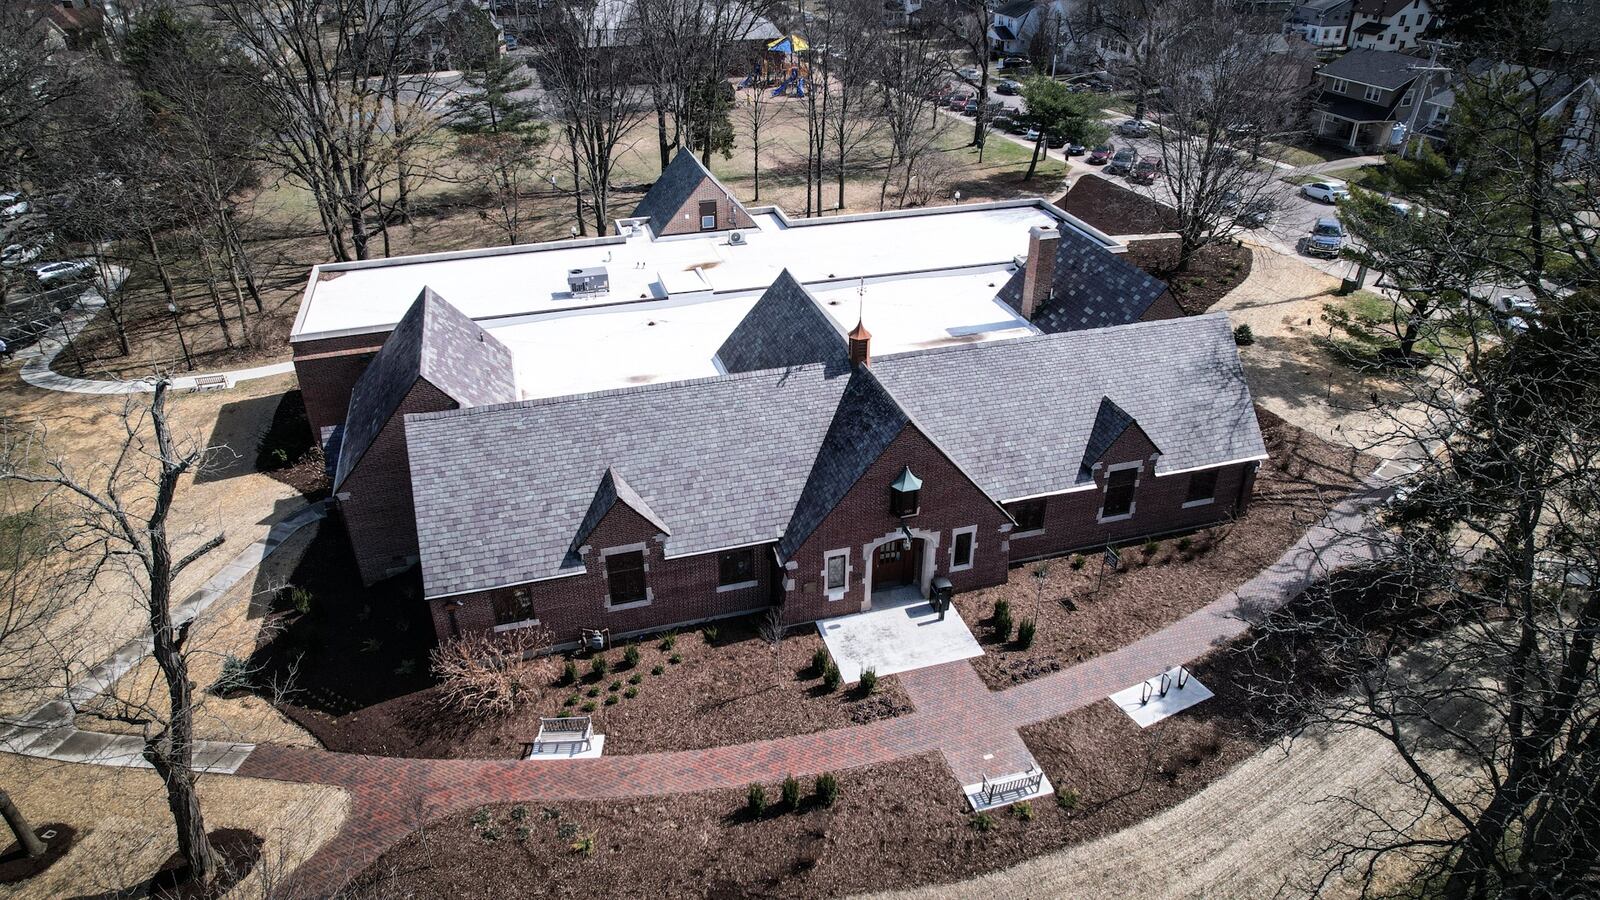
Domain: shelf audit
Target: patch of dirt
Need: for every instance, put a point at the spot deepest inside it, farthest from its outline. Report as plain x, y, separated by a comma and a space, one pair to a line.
238, 851
17, 866
287, 452
358, 660
1079, 616
1215, 270
1115, 209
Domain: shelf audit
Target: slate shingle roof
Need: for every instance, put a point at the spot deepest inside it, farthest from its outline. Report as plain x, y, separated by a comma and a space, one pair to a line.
1381, 68
784, 328
433, 341
613, 489
1093, 288
746, 458
677, 183
1110, 421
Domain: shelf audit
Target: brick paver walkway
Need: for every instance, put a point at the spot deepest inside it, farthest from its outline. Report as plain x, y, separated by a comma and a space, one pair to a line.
955, 714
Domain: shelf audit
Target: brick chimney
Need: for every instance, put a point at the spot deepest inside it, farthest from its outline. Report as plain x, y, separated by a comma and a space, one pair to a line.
860, 345
1039, 272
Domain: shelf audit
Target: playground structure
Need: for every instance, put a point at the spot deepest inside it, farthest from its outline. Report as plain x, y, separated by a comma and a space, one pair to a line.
782, 69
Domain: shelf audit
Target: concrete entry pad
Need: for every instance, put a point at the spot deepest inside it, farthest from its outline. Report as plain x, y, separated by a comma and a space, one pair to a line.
1158, 707
900, 633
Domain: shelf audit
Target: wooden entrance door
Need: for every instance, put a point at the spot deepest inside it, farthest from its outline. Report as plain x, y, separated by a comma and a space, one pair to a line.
893, 565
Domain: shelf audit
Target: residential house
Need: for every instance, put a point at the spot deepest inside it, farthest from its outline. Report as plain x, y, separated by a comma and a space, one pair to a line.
1570, 102
68, 24
1362, 96
1323, 23
1389, 24
1013, 26
719, 410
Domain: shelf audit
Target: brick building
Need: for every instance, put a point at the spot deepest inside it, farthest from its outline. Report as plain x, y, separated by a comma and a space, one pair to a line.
703, 424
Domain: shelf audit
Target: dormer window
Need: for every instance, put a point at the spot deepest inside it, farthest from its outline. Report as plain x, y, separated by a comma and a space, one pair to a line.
905, 493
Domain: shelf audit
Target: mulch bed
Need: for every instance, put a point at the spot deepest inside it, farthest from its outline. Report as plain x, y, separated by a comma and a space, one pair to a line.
358, 659
1115, 209
287, 452
894, 825
1215, 270
16, 865
237, 850
1079, 617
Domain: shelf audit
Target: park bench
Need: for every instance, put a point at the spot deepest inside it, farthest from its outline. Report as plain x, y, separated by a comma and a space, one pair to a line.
210, 382
562, 730
1020, 783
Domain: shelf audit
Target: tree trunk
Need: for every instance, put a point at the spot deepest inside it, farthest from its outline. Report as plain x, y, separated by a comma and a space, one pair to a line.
20, 828
1033, 161
577, 183
216, 296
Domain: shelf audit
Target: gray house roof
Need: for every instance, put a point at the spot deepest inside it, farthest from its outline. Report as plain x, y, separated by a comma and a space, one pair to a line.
438, 343
673, 189
750, 458
786, 327
1379, 68
1093, 288
613, 490
1110, 421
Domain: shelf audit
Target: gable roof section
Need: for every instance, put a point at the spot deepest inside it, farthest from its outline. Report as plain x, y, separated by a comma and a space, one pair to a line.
1093, 288
677, 184
716, 461
1379, 68
613, 490
433, 341
866, 420
784, 328
1110, 422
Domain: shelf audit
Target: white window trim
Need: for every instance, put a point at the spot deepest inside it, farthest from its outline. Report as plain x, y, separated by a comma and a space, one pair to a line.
1372, 94
972, 551
738, 586
1339, 86
839, 592
513, 626
1205, 501
1133, 505
708, 223
605, 575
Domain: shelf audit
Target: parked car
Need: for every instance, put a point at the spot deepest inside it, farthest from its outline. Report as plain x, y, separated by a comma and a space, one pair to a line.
970, 73
971, 107
1054, 141
1255, 214
1326, 238
1399, 207
1013, 62
1019, 125
1100, 87
1001, 123
1513, 312
1122, 162
958, 102
1101, 154
1326, 191
1076, 149
15, 211
15, 255
1134, 128
511, 42
1031, 135
51, 273
1146, 170
1008, 88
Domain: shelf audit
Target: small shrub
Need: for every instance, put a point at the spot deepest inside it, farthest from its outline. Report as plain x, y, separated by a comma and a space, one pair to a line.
301, 599
522, 833
983, 822
588, 706
518, 813
630, 656
657, 670
869, 681
711, 634
819, 660
1002, 626
615, 686
669, 640
1184, 544
490, 834
1023, 810
1025, 630
1243, 336
569, 672
279, 457
599, 666
791, 792
592, 692
570, 701
674, 659
826, 789
483, 675
1002, 609
1151, 548
755, 800
631, 693
584, 844
635, 678
1077, 562
611, 699
830, 677
234, 677
480, 817
1067, 799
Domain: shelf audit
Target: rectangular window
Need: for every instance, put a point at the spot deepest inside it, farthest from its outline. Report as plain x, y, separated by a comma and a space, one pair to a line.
736, 566
1339, 86
625, 574
1409, 96
1119, 493
1029, 515
514, 608
1373, 94
837, 567
1402, 20
961, 548
1202, 488
708, 215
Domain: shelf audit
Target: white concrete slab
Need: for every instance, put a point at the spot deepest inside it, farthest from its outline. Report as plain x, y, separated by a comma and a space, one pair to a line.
1177, 699
898, 636
597, 746
976, 799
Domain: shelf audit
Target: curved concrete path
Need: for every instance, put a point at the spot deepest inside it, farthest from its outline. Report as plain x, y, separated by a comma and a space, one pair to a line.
37, 359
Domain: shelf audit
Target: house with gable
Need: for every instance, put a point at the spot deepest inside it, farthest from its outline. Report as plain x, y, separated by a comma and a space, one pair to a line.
1363, 95
696, 417
1389, 24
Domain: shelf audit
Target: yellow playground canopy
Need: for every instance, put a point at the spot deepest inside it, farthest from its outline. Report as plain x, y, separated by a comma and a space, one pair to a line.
789, 43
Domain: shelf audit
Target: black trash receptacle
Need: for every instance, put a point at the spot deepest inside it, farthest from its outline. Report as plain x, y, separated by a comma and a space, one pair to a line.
940, 593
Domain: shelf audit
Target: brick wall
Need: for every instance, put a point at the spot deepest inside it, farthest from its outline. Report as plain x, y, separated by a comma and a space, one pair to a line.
948, 501
1070, 519
327, 370
687, 219
379, 515
683, 589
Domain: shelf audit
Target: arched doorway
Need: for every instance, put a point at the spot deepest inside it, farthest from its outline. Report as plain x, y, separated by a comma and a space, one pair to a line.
898, 567
894, 564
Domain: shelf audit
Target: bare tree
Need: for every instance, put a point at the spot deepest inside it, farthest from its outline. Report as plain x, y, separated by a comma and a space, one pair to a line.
116, 520
756, 111
970, 25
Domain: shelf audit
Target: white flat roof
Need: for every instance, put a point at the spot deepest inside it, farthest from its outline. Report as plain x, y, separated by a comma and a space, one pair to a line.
490, 284
579, 350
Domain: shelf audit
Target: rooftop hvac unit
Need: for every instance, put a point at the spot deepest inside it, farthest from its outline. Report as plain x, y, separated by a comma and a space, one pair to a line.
592, 280
736, 239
